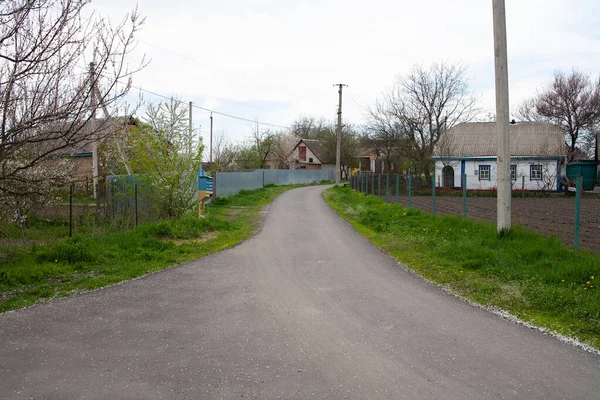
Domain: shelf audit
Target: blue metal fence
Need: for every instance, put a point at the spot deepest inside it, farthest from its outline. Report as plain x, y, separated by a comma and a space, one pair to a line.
231, 183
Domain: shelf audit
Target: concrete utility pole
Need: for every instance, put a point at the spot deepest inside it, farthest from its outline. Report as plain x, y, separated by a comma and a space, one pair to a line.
338, 149
211, 131
502, 116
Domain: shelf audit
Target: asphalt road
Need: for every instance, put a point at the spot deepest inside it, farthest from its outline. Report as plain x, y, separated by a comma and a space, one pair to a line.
305, 309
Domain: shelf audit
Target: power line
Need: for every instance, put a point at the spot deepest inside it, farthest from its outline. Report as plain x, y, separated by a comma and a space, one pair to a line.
218, 69
209, 110
199, 107
245, 104
356, 102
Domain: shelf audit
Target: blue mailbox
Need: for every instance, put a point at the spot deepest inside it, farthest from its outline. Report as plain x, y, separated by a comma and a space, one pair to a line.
205, 191
205, 182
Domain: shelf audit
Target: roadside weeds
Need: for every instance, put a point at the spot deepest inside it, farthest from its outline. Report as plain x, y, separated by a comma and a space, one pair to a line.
40, 272
522, 276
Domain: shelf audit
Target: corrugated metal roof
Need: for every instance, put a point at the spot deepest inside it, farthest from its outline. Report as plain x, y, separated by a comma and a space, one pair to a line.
479, 139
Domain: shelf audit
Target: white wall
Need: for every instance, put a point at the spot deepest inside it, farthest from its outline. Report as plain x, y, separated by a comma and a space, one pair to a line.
295, 155
550, 174
439, 177
472, 171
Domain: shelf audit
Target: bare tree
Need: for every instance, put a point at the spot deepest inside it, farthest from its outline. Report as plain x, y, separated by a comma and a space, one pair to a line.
445, 148
425, 102
326, 132
115, 151
225, 153
348, 147
587, 143
387, 134
310, 128
263, 145
48, 97
572, 102
282, 147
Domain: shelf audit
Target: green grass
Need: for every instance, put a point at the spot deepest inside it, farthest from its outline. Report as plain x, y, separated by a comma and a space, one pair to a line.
40, 272
53, 225
537, 279
35, 229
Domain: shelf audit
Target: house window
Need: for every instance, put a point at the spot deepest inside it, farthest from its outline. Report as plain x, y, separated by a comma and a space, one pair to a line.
310, 159
535, 173
372, 165
302, 153
303, 167
513, 173
484, 172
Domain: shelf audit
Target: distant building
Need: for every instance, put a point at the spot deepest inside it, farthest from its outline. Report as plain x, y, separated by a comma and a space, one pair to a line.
311, 154
80, 154
537, 156
368, 158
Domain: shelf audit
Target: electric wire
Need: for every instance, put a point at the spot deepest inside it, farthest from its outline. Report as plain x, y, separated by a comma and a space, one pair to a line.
209, 110
356, 102
254, 121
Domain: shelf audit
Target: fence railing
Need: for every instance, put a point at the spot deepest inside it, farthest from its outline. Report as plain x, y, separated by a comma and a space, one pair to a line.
126, 201
123, 202
572, 215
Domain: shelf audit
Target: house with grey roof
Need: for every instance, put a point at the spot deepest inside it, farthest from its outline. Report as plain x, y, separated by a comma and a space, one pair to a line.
368, 157
311, 154
537, 156
78, 146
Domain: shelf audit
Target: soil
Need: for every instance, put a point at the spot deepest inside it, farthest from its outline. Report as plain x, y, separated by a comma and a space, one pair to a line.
235, 211
548, 216
206, 236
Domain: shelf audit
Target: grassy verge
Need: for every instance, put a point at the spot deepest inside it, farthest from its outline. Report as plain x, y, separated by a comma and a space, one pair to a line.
536, 279
39, 272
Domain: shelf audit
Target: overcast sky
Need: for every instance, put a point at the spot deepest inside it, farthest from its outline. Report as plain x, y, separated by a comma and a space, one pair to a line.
276, 60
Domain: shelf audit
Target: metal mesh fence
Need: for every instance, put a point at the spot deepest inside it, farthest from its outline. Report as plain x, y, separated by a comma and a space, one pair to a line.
123, 202
547, 212
129, 200
126, 201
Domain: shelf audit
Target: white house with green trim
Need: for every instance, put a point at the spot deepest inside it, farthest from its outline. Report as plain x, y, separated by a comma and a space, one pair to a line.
537, 156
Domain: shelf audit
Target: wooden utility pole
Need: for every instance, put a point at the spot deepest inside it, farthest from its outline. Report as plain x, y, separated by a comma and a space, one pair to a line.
190, 116
502, 116
338, 148
95, 169
96, 100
